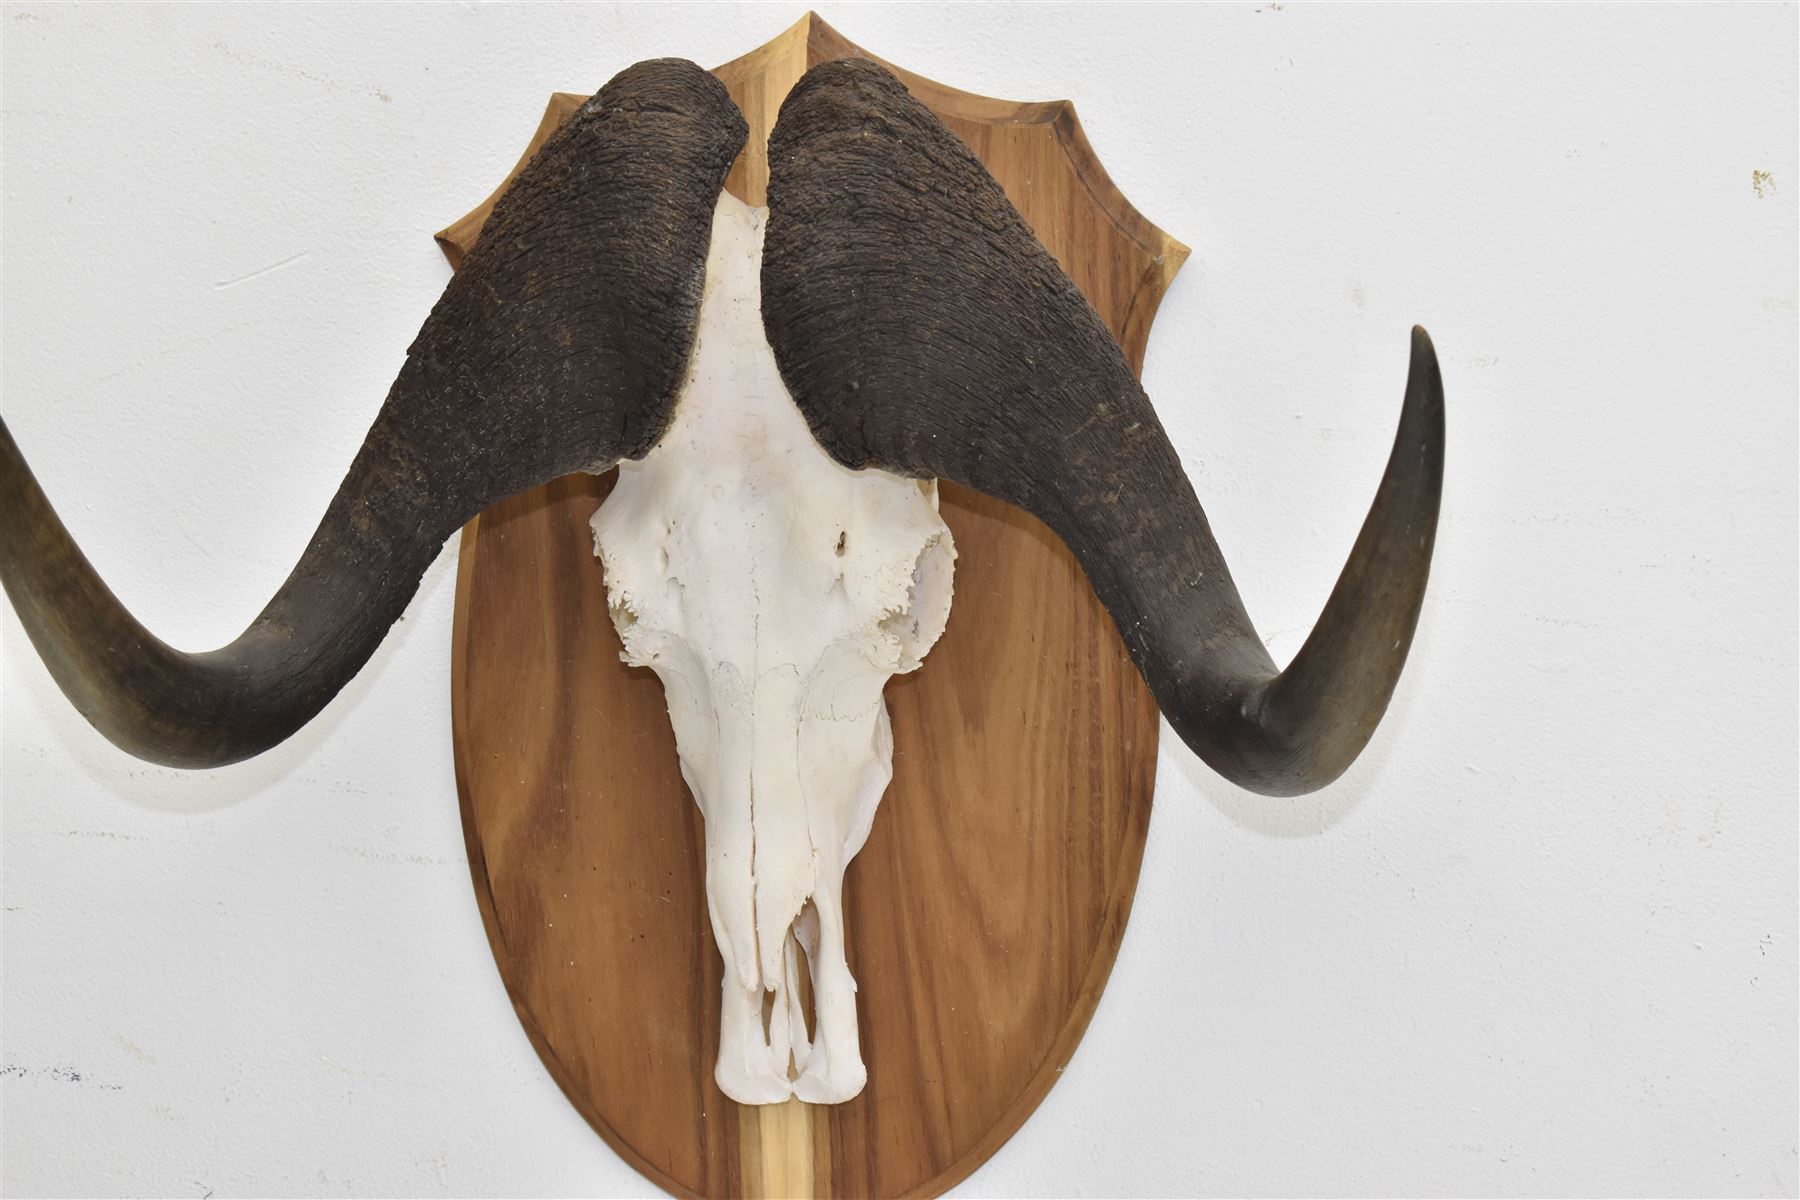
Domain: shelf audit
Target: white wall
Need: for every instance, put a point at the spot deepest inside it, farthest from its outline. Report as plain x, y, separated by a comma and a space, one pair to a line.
1541, 939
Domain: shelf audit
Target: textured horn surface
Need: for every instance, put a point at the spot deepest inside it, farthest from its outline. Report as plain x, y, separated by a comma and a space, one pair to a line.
558, 347
922, 328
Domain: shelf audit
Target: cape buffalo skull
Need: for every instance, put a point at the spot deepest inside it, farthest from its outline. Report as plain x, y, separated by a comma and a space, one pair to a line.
774, 592
920, 331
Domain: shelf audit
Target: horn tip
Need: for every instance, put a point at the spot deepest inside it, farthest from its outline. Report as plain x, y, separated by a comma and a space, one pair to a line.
1424, 378
1423, 351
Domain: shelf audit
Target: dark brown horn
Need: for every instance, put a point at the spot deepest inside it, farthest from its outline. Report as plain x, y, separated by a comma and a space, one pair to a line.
558, 347
922, 328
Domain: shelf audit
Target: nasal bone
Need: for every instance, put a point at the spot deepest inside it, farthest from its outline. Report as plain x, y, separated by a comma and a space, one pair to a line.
784, 860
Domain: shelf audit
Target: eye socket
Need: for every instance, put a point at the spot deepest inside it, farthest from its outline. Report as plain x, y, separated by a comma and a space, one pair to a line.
918, 624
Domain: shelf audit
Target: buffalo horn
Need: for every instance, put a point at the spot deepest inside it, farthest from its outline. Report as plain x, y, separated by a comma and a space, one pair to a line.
922, 328
558, 347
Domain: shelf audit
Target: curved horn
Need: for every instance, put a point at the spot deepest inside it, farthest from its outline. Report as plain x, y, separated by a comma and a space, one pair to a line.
922, 328
558, 347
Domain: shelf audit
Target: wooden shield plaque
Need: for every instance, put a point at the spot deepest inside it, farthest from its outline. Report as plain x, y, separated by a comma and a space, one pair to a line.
986, 909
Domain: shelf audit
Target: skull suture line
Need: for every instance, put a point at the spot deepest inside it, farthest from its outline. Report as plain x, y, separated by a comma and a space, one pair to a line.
774, 592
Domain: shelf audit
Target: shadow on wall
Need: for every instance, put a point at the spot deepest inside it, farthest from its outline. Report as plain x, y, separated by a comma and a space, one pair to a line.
183, 791
1317, 812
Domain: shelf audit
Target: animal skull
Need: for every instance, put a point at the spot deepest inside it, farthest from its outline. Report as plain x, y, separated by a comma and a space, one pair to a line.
773, 592
895, 312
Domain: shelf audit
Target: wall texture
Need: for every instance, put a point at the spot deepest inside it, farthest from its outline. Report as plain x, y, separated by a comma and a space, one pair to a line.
1541, 939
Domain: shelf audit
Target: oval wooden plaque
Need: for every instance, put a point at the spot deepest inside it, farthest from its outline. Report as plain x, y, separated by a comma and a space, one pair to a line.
986, 910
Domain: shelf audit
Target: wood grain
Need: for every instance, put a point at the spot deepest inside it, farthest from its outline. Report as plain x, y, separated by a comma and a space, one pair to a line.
986, 910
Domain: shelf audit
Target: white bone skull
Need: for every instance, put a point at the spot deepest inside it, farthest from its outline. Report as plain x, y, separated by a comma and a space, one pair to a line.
774, 592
